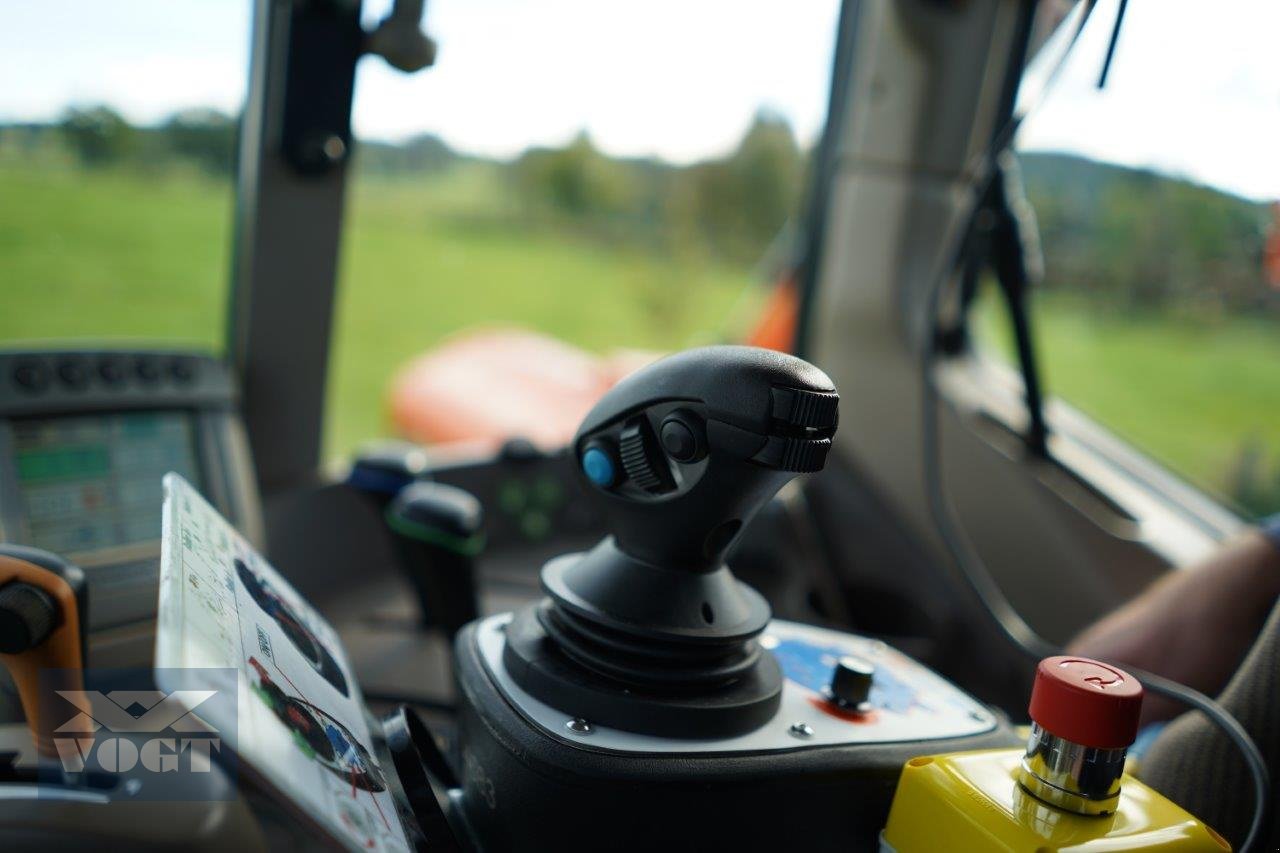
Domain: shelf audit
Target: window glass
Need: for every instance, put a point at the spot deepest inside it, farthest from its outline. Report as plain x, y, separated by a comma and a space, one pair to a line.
610, 174
1156, 200
117, 130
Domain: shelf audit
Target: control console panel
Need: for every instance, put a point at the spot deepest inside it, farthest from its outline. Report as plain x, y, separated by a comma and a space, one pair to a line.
901, 699
85, 437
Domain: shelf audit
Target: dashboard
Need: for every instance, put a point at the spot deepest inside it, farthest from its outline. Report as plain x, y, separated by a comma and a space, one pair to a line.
85, 438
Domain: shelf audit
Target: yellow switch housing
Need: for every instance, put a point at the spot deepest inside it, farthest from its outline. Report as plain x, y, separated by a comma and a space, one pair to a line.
971, 801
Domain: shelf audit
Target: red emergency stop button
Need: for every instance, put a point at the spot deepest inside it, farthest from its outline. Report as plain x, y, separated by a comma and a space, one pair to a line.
1086, 702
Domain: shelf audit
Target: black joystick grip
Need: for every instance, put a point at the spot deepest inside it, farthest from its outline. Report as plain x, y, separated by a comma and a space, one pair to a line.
682, 453
650, 631
438, 535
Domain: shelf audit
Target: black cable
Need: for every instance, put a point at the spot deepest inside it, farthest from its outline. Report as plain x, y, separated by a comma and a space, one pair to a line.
970, 564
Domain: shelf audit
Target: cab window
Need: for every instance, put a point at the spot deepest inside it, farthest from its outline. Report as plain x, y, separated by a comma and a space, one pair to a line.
117, 147
617, 192
1156, 202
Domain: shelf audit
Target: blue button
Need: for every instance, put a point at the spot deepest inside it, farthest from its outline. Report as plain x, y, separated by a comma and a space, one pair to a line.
598, 467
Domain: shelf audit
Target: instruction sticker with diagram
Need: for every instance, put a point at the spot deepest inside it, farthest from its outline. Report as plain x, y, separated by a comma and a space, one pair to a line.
300, 723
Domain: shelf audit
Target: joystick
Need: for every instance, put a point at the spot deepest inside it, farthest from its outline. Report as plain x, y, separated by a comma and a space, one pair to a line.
43, 610
650, 631
649, 699
438, 535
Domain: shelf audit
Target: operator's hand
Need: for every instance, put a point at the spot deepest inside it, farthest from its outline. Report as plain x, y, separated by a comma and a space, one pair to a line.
1193, 625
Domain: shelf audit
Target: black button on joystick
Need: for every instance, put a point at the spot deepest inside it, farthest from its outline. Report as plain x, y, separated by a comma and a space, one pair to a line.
682, 439
850, 686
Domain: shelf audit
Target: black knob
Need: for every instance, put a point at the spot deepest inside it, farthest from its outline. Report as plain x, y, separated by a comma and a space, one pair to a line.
28, 616
438, 536
850, 686
519, 449
182, 370
73, 373
148, 370
111, 371
31, 376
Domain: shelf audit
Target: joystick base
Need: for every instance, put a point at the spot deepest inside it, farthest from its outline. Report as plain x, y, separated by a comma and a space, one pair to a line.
538, 665
537, 777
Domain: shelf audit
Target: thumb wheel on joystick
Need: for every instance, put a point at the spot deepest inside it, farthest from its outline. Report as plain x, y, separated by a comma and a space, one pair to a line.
650, 631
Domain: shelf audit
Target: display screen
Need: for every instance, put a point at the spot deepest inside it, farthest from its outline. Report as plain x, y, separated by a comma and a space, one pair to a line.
93, 482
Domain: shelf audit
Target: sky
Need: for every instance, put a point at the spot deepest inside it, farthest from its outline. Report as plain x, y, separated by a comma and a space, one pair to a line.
1194, 90
680, 79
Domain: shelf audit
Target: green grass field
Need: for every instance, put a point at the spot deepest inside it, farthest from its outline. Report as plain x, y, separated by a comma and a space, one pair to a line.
1194, 395
129, 257
144, 257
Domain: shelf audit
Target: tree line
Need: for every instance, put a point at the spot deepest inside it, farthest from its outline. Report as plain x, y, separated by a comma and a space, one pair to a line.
1131, 238
1139, 240
732, 205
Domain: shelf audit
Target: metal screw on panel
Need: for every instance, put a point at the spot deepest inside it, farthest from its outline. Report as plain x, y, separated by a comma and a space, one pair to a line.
579, 726
801, 730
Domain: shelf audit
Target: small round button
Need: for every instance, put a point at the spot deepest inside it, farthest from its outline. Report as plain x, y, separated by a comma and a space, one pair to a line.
851, 682
147, 370
519, 449
1086, 702
182, 370
31, 376
73, 373
599, 467
678, 441
111, 371
680, 437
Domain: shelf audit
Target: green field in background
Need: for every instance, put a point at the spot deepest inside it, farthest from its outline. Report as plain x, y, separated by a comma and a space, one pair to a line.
124, 256
1194, 395
121, 255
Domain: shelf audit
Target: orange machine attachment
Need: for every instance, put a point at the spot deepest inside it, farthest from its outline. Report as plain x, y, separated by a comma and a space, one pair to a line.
42, 608
488, 385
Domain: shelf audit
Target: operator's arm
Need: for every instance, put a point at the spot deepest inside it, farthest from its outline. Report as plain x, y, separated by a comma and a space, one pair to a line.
1194, 625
